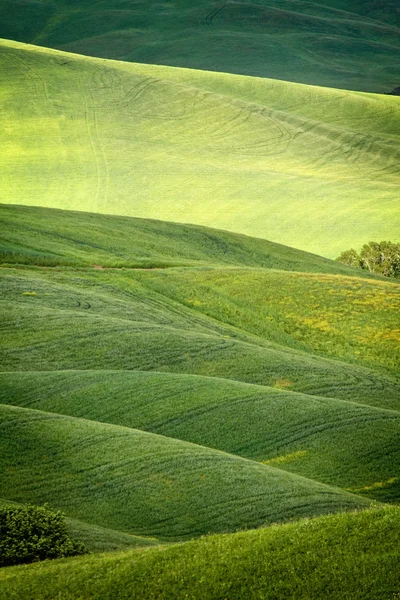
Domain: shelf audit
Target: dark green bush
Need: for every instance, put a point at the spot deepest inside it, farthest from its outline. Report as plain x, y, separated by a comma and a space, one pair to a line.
33, 533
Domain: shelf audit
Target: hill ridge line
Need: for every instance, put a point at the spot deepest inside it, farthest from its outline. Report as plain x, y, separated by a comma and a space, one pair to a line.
237, 382
182, 442
264, 345
129, 66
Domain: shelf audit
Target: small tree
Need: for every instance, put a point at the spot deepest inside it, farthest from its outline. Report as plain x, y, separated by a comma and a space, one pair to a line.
350, 257
382, 257
33, 533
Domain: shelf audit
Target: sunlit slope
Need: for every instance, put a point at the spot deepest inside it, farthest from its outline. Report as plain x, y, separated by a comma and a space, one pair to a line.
353, 555
92, 319
331, 43
146, 484
96, 538
314, 168
339, 443
344, 317
50, 237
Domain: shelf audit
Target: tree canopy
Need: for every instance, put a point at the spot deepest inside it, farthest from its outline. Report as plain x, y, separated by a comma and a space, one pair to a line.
375, 257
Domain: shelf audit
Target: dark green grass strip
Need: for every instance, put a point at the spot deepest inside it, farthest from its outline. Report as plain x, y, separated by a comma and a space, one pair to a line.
148, 484
336, 442
323, 43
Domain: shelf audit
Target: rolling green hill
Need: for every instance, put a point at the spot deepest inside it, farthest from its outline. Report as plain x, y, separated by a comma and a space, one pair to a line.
114, 320
352, 555
49, 237
148, 484
160, 380
176, 351
166, 381
307, 435
330, 315
329, 42
309, 167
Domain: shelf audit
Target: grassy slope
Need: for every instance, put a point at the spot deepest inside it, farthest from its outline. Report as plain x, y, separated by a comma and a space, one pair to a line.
64, 318
92, 319
343, 556
49, 237
197, 321
147, 484
344, 317
340, 443
296, 164
320, 43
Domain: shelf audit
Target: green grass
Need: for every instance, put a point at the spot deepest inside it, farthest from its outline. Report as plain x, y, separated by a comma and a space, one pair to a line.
161, 381
177, 400
114, 320
310, 167
148, 484
339, 443
342, 317
329, 43
351, 555
49, 237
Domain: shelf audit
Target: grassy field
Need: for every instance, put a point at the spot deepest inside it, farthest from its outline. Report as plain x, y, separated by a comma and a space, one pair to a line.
329, 43
216, 412
303, 434
332, 315
163, 381
65, 319
201, 353
309, 167
49, 237
146, 484
352, 555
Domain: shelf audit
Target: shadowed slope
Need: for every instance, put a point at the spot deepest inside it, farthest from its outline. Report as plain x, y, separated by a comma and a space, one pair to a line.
339, 443
147, 484
291, 163
322, 43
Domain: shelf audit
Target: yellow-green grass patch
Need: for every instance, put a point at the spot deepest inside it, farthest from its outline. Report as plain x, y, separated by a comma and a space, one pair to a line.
295, 164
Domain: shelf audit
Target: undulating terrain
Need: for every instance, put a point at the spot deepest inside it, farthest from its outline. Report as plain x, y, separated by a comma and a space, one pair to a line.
199, 382
330, 42
211, 401
309, 167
